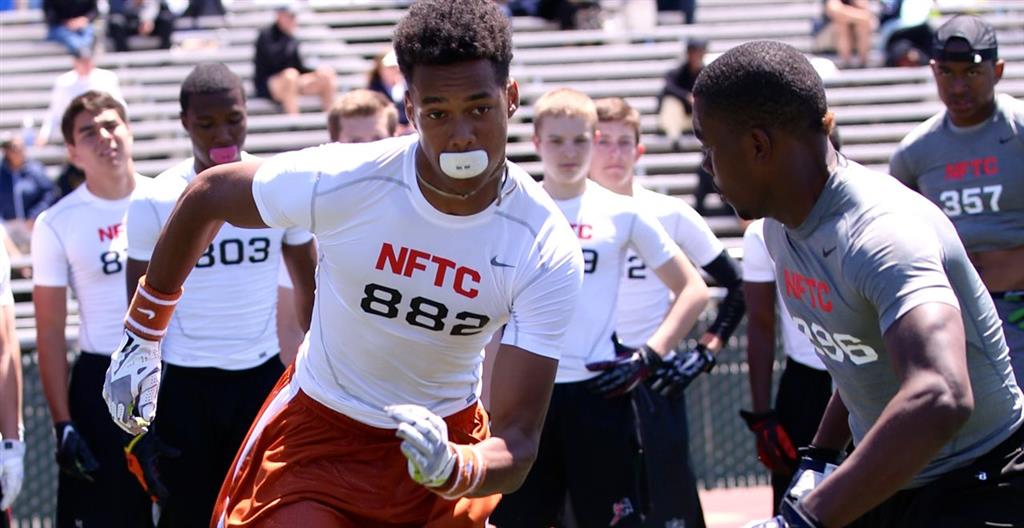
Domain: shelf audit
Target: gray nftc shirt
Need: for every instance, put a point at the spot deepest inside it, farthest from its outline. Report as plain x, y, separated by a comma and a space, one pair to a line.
869, 252
974, 174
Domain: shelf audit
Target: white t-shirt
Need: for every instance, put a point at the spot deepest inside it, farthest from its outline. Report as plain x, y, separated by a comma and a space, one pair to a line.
80, 243
408, 296
6, 295
226, 317
69, 85
758, 266
643, 298
607, 224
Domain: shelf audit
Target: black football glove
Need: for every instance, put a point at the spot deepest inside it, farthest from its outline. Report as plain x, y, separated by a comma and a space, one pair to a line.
679, 370
142, 455
774, 448
624, 373
73, 455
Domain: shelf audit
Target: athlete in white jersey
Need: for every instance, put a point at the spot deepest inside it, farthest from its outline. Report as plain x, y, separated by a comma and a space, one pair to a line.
12, 444
428, 244
233, 286
79, 243
804, 387
591, 417
876, 277
642, 304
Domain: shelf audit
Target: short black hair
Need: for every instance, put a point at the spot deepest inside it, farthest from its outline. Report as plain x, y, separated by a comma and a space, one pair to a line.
93, 101
764, 84
209, 78
450, 31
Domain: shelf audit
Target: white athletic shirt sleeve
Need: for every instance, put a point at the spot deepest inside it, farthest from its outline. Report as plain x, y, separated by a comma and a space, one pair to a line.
143, 225
757, 264
896, 263
296, 236
650, 241
687, 227
49, 263
285, 202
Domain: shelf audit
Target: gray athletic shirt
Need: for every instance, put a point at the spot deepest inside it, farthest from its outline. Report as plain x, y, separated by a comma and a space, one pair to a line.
869, 252
975, 175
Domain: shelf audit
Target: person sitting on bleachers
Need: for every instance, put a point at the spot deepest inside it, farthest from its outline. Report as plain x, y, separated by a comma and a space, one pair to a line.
25, 191
70, 22
386, 78
280, 73
675, 104
83, 76
852, 23
139, 17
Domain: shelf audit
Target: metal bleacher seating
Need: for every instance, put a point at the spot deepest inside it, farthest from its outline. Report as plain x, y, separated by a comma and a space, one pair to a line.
875, 107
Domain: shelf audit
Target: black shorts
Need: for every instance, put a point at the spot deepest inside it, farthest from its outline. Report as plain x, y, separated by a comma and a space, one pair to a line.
987, 493
114, 499
803, 394
588, 449
669, 488
205, 413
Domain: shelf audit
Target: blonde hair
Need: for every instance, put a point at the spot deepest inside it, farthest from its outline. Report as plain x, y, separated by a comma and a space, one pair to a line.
617, 109
361, 103
564, 102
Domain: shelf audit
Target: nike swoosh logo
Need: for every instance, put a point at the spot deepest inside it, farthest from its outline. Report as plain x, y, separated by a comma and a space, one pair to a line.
826, 252
1003, 141
497, 264
148, 313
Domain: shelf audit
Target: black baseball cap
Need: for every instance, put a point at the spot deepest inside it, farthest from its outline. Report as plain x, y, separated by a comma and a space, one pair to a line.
979, 35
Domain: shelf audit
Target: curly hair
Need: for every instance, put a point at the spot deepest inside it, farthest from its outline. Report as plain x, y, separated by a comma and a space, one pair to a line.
209, 78
450, 31
764, 84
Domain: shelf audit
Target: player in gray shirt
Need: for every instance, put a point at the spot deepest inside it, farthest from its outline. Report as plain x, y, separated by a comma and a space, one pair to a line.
878, 280
969, 160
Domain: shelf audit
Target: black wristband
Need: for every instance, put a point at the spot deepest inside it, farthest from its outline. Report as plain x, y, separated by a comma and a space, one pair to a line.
820, 453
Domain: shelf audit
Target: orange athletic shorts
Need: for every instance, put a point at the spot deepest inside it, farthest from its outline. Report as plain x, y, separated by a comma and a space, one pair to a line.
304, 465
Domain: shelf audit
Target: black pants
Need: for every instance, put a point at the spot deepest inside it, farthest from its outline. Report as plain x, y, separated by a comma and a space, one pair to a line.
803, 395
120, 26
588, 449
669, 487
987, 493
205, 413
114, 499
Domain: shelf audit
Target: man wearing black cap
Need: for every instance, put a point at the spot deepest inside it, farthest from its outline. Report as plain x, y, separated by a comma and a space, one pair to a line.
675, 103
969, 159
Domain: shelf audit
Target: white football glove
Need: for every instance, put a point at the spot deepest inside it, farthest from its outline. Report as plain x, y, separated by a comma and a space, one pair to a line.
12, 471
424, 443
132, 383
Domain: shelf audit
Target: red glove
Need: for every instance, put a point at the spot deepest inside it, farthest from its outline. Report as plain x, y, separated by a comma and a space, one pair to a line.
774, 448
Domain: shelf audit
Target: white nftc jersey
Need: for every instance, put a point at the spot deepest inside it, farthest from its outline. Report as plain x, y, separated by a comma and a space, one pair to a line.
643, 298
408, 296
758, 266
6, 295
80, 242
226, 317
607, 224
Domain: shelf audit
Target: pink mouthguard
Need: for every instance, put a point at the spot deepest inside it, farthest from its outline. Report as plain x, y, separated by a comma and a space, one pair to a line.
224, 154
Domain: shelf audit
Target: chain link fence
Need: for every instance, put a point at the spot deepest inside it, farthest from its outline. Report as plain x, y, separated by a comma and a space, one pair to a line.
722, 450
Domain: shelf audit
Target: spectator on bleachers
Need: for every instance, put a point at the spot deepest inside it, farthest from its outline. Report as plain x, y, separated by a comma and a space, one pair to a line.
362, 116
852, 23
83, 76
139, 17
25, 191
386, 78
687, 7
903, 22
675, 103
280, 73
69, 23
